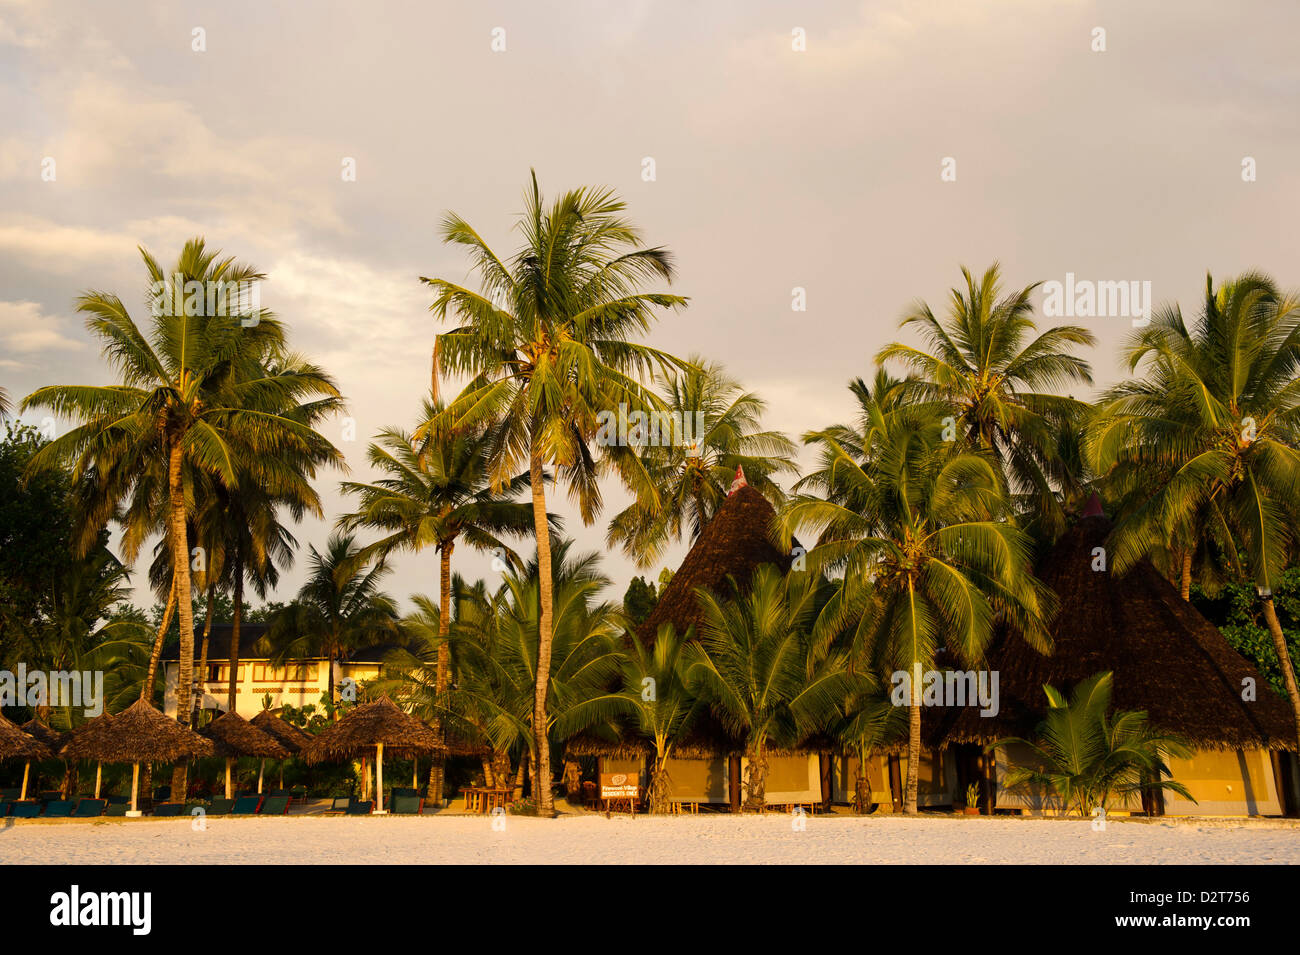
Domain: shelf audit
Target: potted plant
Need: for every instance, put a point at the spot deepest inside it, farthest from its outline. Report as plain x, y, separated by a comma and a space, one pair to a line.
972, 800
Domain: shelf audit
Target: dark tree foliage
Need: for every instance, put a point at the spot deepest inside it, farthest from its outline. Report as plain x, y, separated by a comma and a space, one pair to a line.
1234, 609
639, 600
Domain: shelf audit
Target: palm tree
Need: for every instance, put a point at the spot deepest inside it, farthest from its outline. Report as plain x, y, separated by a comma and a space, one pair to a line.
434, 493
917, 526
758, 667
338, 609
694, 479
193, 393
658, 701
549, 344
4, 403
1214, 421
985, 371
1085, 754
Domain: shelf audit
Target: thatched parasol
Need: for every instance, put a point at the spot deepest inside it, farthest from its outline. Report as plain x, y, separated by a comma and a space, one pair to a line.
81, 743
378, 726
15, 744
141, 734
233, 736
289, 736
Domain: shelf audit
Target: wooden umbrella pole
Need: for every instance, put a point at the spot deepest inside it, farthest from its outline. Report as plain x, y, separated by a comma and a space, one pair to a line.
27, 768
415, 772
99, 775
379, 777
135, 785
230, 787
261, 769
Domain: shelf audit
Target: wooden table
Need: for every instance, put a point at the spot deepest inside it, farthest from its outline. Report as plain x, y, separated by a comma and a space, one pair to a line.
483, 799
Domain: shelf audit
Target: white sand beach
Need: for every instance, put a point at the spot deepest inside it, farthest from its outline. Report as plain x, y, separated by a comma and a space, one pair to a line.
711, 839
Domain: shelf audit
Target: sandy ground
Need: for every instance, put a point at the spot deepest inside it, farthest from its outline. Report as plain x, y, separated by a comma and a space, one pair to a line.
644, 840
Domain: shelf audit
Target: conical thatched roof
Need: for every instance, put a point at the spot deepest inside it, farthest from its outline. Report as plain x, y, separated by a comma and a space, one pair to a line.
284, 732
369, 724
233, 736
87, 738
738, 539
15, 744
1167, 659
51, 739
141, 734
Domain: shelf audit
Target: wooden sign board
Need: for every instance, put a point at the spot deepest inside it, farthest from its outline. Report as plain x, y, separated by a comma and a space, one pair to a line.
618, 786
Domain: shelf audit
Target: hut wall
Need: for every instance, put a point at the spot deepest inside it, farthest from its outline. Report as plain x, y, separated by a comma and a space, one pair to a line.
614, 764
698, 780
846, 779
791, 778
936, 779
1225, 783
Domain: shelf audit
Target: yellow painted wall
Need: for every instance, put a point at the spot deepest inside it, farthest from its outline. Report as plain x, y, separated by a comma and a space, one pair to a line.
698, 780
1225, 783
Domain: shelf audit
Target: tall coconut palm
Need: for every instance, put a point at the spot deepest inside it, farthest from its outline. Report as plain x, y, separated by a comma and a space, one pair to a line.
694, 477
434, 493
4, 403
757, 665
919, 531
549, 341
191, 392
1215, 419
986, 367
338, 609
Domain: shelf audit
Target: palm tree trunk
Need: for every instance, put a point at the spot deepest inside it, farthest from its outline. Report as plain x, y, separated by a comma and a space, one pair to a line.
1185, 581
756, 783
1283, 659
437, 772
181, 582
203, 651
181, 579
542, 777
913, 745
236, 618
489, 777
152, 675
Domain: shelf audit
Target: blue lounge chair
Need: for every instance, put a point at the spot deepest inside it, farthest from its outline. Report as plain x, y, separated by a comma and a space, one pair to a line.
26, 809
357, 807
407, 805
274, 806
59, 808
116, 808
169, 809
340, 804
220, 807
246, 806
89, 808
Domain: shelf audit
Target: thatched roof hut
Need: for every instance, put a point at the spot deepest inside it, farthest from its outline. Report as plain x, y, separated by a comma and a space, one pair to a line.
17, 744
1167, 659
234, 736
285, 733
369, 725
739, 538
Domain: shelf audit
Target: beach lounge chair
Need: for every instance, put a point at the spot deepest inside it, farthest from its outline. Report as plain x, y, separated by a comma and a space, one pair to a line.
407, 805
5, 806
340, 804
89, 808
274, 806
59, 808
357, 807
116, 808
298, 794
220, 806
246, 806
26, 809
169, 809
162, 794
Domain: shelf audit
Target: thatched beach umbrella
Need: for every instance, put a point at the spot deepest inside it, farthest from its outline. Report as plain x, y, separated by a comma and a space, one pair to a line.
288, 735
141, 734
379, 726
15, 744
80, 743
53, 740
233, 736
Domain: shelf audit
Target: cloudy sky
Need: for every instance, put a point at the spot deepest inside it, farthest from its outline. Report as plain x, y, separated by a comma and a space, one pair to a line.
775, 168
